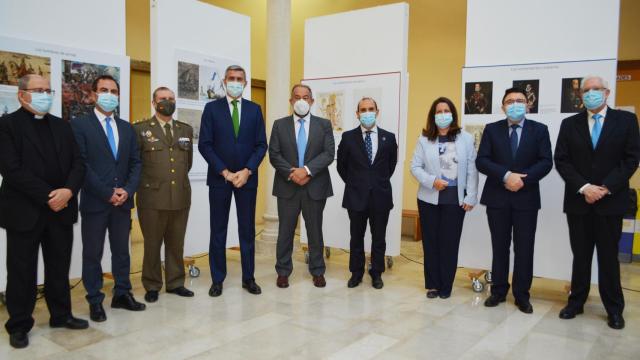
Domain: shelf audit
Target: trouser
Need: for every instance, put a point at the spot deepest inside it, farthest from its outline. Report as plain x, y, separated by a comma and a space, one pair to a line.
288, 213
22, 271
158, 227
587, 232
358, 225
441, 231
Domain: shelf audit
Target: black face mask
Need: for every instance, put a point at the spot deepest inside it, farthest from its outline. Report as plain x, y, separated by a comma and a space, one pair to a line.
166, 107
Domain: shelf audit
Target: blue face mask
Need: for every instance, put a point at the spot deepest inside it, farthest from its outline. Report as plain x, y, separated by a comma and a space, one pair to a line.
234, 88
593, 99
41, 102
107, 102
443, 120
368, 119
516, 111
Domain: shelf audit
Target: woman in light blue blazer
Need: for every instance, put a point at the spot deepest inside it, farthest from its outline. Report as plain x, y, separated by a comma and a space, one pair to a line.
444, 165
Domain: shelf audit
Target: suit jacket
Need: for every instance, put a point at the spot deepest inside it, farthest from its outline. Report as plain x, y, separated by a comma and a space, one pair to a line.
24, 192
611, 164
320, 152
366, 184
219, 146
164, 183
425, 167
533, 158
104, 172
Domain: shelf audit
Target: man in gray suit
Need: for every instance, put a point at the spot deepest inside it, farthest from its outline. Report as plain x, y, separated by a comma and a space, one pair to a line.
301, 149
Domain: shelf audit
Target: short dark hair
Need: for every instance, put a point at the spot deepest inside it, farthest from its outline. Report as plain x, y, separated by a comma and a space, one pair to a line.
161, 88
366, 98
235, 68
23, 82
513, 90
94, 85
431, 130
302, 86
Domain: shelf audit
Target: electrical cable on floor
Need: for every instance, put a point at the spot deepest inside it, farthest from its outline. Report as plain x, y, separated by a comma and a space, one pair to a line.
634, 290
412, 260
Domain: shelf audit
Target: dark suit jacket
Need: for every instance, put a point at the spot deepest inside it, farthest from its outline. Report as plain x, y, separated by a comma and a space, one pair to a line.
24, 192
320, 152
104, 173
219, 146
532, 158
362, 178
611, 164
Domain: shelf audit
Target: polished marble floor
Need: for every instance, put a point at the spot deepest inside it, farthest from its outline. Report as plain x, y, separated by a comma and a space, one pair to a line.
303, 322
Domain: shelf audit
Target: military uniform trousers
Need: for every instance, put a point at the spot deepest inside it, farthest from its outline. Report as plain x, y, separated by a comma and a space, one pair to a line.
160, 227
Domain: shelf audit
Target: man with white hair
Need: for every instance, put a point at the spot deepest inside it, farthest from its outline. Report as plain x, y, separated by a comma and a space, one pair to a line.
596, 153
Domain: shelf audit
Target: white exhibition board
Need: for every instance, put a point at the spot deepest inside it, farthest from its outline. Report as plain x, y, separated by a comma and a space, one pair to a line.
366, 48
552, 86
70, 40
207, 37
336, 99
503, 32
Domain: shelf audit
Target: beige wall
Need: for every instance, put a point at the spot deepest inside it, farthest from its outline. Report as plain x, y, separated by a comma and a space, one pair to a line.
436, 53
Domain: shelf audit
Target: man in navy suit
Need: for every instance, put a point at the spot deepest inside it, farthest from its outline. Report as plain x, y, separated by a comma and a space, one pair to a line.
367, 157
596, 153
514, 154
233, 141
109, 148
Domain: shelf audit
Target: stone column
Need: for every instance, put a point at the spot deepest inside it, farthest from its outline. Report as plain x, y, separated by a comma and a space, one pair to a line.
278, 83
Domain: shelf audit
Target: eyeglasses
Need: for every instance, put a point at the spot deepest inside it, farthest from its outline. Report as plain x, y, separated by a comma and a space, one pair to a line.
512, 101
594, 89
41, 91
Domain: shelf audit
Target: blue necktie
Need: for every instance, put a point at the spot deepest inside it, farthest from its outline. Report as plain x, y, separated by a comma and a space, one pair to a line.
369, 146
597, 129
111, 138
514, 140
302, 143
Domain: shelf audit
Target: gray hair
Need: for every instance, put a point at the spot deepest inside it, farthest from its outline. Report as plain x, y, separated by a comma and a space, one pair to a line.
366, 98
604, 82
235, 68
302, 86
23, 82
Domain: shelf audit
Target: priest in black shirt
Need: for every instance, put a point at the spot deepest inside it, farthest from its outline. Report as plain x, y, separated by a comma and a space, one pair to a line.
42, 172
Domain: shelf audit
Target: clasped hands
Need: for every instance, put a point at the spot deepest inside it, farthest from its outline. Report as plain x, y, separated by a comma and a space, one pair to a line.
514, 181
440, 185
119, 196
59, 199
593, 193
238, 179
299, 176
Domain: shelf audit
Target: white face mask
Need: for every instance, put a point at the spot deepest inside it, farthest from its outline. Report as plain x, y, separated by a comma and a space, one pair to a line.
301, 108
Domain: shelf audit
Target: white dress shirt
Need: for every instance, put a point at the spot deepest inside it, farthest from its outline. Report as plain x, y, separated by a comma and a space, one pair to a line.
239, 105
103, 122
374, 139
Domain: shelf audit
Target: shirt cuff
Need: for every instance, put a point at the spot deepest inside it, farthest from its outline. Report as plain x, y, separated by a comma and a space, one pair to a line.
308, 171
504, 178
581, 190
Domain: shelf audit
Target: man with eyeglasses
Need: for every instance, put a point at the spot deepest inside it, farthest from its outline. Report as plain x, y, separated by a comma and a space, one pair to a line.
42, 172
109, 148
514, 154
597, 151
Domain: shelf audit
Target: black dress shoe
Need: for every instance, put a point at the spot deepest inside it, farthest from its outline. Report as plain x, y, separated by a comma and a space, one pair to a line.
432, 294
442, 295
71, 323
494, 300
569, 312
252, 287
127, 302
96, 313
376, 282
151, 296
19, 340
181, 291
525, 307
215, 290
354, 281
616, 321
